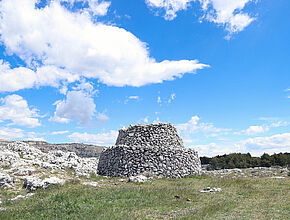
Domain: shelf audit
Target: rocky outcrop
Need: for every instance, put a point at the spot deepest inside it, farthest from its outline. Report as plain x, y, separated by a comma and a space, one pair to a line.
6, 181
34, 183
156, 149
21, 162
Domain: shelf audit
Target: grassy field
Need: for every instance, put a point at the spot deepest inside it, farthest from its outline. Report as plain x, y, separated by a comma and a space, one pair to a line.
247, 198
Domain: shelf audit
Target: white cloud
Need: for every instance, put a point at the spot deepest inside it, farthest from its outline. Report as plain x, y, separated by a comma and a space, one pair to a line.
11, 133
102, 118
273, 144
171, 6
287, 90
36, 139
194, 126
99, 8
159, 100
13, 79
146, 119
214, 149
59, 132
255, 146
156, 121
96, 7
228, 13
71, 42
132, 98
143, 120
253, 130
172, 97
14, 108
78, 105
258, 129
104, 139
86, 87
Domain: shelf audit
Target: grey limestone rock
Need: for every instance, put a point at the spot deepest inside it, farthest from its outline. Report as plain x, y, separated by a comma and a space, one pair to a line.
139, 179
5, 181
34, 183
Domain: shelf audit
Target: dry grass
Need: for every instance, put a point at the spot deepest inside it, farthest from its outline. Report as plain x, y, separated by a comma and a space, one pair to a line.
247, 198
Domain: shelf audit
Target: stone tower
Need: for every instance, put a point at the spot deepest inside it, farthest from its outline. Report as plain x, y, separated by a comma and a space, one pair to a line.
154, 148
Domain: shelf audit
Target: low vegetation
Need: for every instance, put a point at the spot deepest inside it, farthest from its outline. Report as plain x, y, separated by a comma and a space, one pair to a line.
242, 198
238, 160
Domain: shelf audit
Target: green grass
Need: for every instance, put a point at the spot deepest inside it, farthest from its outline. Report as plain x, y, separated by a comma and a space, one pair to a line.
247, 198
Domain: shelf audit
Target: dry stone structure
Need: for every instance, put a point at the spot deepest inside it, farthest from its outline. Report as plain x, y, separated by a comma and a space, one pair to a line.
156, 149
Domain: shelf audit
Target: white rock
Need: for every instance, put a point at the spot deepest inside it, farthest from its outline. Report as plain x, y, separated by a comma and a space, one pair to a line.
95, 184
5, 181
138, 179
209, 189
33, 183
22, 197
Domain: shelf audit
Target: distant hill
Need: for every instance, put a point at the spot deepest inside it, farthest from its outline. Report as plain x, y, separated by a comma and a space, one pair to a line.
82, 150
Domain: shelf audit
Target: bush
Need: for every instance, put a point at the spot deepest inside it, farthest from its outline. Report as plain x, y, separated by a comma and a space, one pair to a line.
238, 160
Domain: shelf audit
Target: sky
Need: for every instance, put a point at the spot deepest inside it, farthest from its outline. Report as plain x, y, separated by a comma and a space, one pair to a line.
79, 70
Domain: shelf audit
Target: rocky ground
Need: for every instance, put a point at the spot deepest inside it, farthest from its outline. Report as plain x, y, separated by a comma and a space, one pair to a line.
256, 172
25, 166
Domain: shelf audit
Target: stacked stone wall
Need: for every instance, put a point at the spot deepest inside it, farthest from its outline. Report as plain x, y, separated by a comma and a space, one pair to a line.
157, 135
125, 161
156, 149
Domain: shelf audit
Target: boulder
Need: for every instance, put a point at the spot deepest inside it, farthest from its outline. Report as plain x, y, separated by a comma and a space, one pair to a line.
34, 183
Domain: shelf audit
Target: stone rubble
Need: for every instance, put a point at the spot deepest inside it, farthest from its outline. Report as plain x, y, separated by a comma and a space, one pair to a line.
155, 149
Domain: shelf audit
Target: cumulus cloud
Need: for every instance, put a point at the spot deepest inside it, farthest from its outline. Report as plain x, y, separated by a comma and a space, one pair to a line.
272, 144
255, 146
96, 7
104, 139
259, 129
15, 109
11, 133
13, 79
171, 6
77, 106
253, 130
194, 126
213, 149
228, 13
70, 42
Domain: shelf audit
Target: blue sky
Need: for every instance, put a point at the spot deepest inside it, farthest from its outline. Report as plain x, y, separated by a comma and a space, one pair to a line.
79, 70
